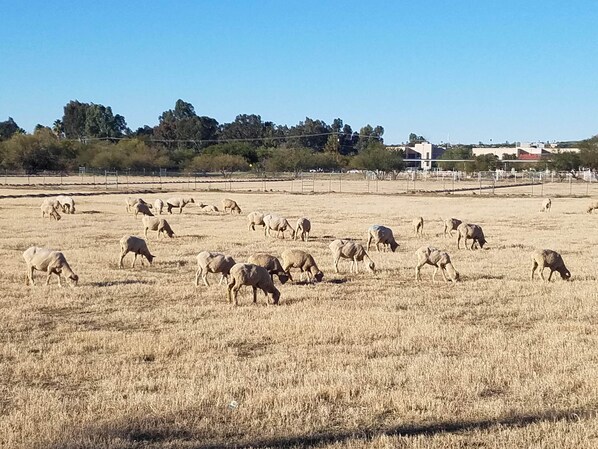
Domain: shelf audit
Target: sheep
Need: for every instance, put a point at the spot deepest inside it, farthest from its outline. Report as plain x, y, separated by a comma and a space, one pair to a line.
254, 275
418, 226
230, 205
156, 224
471, 231
593, 205
295, 258
208, 262
209, 208
304, 226
50, 208
135, 245
437, 258
158, 206
348, 249
270, 263
255, 219
143, 209
67, 203
546, 205
177, 202
450, 225
278, 224
130, 202
543, 258
381, 234
50, 261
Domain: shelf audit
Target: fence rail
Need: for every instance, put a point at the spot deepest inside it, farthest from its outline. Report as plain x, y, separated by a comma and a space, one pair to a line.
446, 182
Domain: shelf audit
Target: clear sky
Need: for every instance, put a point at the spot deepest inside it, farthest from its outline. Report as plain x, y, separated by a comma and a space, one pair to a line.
466, 71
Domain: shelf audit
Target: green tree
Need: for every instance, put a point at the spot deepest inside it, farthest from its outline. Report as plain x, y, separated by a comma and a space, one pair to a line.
414, 138
223, 163
377, 158
456, 152
588, 153
8, 128
564, 161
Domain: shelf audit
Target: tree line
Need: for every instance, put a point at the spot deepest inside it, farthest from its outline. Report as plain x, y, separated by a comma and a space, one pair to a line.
91, 135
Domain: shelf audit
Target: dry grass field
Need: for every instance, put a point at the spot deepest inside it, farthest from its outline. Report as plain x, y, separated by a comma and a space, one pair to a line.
142, 358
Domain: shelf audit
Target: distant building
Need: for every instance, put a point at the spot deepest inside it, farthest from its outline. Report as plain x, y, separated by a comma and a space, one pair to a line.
525, 151
423, 150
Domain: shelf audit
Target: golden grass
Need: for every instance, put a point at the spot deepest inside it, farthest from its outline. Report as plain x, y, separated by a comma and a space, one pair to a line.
142, 358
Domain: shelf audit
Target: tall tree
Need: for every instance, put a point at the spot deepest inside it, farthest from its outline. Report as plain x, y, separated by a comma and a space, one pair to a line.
8, 128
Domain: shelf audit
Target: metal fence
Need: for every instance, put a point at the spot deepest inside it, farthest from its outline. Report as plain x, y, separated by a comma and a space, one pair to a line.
441, 182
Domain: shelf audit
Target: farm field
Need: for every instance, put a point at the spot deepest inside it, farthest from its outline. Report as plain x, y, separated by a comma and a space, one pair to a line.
143, 358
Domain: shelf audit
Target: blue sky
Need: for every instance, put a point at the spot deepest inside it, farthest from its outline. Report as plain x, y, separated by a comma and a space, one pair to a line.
466, 71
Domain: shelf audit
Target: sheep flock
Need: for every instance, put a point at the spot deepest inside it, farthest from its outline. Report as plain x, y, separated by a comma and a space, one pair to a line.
258, 270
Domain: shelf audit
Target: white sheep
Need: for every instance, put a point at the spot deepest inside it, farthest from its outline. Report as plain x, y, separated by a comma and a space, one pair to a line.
270, 263
50, 261
131, 201
208, 262
278, 224
546, 205
450, 225
418, 226
593, 205
255, 219
156, 224
50, 208
381, 234
67, 203
303, 226
295, 258
209, 208
471, 231
159, 206
439, 260
231, 206
135, 245
548, 258
177, 203
353, 251
143, 209
253, 275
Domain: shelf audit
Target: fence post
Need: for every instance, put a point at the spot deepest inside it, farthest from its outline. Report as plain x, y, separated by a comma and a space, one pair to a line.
570, 184
340, 182
480, 179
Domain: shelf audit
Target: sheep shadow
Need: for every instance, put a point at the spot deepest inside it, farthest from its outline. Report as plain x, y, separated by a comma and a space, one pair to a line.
167, 430
117, 283
90, 212
336, 281
484, 276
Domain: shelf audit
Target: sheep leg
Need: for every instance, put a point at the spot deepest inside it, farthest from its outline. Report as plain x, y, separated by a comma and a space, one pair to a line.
197, 274
204, 276
306, 236
459, 241
122, 256
229, 289
354, 265
534, 266
550, 275
335, 260
434, 275
134, 260
222, 276
254, 294
542, 273
30, 276
418, 276
442, 270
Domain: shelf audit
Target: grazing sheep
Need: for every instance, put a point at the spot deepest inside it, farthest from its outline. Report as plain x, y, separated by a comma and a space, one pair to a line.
230, 205
470, 231
304, 226
381, 234
418, 226
50, 208
546, 205
177, 203
158, 206
156, 224
50, 261
208, 262
254, 275
593, 205
278, 224
67, 203
295, 258
450, 225
270, 263
543, 258
353, 251
143, 209
131, 201
255, 219
135, 245
437, 258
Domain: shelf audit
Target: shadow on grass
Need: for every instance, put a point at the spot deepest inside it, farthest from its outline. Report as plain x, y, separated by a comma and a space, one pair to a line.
125, 282
89, 212
155, 431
